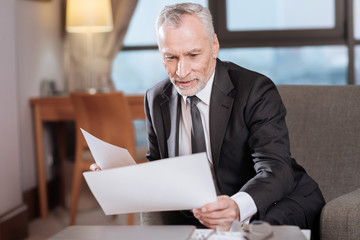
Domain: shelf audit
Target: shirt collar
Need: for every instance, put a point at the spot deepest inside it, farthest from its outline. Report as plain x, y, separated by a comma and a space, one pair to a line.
205, 93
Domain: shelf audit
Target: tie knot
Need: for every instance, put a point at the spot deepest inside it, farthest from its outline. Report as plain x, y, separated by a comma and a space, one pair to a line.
193, 100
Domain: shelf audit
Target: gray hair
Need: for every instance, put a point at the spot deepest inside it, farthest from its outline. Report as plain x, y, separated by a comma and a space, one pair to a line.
172, 15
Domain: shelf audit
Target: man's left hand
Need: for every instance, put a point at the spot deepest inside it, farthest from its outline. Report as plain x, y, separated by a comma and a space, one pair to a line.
218, 213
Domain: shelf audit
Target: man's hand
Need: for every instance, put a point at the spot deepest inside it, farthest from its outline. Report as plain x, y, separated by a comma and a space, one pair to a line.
95, 167
218, 213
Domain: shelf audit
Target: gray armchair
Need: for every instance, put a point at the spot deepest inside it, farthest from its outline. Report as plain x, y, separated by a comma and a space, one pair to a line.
324, 128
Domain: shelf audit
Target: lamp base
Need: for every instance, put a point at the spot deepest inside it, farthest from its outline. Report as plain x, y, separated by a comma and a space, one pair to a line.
92, 90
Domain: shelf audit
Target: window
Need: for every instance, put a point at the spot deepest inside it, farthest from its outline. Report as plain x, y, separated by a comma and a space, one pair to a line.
357, 19
138, 70
357, 40
243, 15
144, 18
319, 65
279, 22
291, 31
292, 42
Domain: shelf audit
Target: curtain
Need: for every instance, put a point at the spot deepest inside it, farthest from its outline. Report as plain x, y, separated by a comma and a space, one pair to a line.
105, 46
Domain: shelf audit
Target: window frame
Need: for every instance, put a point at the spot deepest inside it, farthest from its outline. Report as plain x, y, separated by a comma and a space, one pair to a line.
341, 34
267, 38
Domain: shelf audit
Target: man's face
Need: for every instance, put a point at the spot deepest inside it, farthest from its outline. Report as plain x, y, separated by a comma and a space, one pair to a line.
188, 54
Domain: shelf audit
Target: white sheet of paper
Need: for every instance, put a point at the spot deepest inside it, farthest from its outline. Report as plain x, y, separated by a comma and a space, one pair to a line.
170, 184
107, 155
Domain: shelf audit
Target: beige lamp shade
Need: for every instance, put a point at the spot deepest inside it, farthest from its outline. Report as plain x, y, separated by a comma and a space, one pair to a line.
89, 16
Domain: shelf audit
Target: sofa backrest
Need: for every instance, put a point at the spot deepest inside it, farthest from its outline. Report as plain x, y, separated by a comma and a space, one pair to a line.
324, 129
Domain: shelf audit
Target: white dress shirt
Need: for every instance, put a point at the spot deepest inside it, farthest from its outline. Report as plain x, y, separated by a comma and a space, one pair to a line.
244, 201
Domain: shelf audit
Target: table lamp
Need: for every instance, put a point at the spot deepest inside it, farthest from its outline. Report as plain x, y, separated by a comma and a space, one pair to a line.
89, 17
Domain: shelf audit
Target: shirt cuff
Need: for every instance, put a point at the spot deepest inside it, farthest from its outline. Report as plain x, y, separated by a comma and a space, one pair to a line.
246, 206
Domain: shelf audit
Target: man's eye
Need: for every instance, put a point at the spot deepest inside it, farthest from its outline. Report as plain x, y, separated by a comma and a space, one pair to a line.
193, 55
169, 58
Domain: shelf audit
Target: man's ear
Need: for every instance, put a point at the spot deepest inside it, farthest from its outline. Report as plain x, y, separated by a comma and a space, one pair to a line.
216, 46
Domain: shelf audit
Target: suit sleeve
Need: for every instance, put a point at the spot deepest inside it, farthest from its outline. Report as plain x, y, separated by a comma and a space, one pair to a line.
269, 146
153, 148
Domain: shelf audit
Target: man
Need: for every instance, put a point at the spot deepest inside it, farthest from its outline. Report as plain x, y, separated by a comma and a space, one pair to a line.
243, 120
244, 126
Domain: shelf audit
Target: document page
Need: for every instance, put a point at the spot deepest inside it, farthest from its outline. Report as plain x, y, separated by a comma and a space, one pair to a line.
107, 155
170, 184
179, 183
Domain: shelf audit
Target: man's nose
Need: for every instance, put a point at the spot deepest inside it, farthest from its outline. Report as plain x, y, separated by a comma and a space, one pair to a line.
183, 68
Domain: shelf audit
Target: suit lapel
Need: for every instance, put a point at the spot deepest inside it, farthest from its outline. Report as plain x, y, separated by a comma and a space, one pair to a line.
220, 109
170, 110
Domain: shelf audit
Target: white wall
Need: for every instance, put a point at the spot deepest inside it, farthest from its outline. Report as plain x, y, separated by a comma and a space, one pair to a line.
10, 182
39, 56
31, 51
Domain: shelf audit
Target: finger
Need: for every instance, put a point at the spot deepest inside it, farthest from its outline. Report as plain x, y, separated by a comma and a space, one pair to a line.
94, 167
231, 212
216, 223
200, 215
221, 204
222, 223
216, 215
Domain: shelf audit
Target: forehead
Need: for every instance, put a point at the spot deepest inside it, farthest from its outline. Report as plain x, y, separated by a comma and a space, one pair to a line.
190, 34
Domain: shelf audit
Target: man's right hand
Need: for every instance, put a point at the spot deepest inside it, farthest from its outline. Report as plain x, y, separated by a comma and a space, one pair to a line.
95, 167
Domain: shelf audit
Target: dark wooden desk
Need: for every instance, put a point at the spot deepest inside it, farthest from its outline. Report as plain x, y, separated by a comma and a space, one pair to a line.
57, 109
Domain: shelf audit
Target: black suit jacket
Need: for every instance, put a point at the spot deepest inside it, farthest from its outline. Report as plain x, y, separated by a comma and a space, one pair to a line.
248, 135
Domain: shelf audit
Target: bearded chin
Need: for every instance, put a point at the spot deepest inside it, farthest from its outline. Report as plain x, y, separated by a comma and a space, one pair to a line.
191, 91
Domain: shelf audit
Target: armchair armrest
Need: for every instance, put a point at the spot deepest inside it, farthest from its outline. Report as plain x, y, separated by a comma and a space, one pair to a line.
340, 218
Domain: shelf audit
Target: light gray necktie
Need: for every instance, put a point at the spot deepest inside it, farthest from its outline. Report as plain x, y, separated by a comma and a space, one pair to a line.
198, 144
